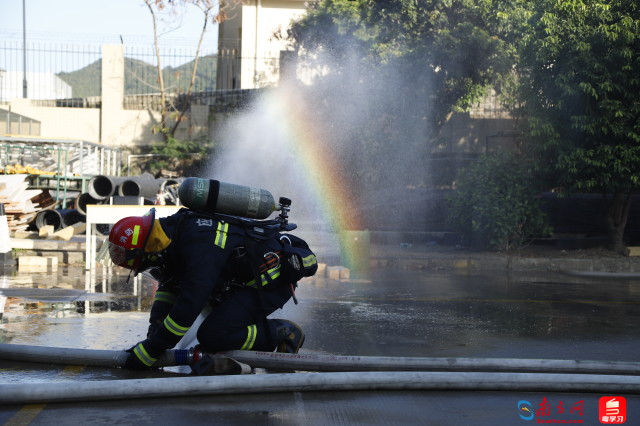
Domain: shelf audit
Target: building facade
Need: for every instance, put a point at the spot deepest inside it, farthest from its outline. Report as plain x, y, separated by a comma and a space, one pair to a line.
251, 45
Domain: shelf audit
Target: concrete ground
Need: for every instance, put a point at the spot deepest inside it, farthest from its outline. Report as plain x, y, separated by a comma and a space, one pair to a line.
406, 312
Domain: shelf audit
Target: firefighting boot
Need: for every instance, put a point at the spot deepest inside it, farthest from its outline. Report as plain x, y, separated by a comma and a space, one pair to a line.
289, 335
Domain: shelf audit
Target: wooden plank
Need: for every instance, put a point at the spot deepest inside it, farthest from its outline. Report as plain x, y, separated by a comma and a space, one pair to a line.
632, 251
24, 235
46, 245
65, 234
46, 230
37, 261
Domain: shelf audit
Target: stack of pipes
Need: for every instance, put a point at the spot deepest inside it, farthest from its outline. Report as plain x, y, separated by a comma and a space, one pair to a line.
101, 188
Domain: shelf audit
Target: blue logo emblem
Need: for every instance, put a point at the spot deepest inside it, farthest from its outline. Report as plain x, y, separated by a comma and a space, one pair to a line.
526, 410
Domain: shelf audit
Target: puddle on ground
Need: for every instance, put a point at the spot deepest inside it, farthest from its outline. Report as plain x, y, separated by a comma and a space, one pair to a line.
390, 313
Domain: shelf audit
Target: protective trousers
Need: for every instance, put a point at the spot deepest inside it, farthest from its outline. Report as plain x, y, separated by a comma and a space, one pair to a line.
237, 322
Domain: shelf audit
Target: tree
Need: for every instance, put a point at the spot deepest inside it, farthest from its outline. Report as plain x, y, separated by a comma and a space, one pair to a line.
417, 61
580, 92
455, 50
159, 8
495, 206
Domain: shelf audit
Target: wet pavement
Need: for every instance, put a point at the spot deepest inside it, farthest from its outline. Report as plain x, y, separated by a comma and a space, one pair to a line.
389, 313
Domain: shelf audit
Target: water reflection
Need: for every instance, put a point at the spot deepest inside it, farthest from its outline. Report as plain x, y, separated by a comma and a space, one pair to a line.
394, 313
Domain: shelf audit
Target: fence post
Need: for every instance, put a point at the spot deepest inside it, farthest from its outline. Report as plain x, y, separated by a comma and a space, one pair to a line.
112, 94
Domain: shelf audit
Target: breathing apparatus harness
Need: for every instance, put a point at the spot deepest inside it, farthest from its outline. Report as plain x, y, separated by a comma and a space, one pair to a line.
254, 247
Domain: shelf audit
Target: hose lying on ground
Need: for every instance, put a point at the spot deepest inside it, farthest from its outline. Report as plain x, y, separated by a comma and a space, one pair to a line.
29, 393
326, 363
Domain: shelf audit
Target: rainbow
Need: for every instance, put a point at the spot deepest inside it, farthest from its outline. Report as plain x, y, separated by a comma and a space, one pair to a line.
320, 167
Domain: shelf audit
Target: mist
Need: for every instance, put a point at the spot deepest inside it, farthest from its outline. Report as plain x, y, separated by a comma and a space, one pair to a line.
341, 135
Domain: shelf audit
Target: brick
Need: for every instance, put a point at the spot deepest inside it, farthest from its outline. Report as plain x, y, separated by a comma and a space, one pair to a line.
74, 257
337, 273
321, 269
49, 261
570, 265
333, 273
59, 255
345, 274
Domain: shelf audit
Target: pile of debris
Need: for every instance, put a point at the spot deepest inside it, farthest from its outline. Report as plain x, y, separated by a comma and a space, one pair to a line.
21, 205
17, 169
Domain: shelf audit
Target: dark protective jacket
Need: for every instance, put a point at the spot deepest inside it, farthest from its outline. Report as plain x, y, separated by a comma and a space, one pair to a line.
201, 256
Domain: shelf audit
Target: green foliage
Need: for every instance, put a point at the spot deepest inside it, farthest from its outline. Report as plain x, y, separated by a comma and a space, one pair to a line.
495, 205
178, 155
391, 73
580, 75
448, 53
141, 77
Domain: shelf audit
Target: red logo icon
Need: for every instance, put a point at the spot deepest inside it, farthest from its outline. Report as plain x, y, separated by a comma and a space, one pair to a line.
613, 410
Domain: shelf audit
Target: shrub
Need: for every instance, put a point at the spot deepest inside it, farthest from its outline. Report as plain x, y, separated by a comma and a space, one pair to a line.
495, 206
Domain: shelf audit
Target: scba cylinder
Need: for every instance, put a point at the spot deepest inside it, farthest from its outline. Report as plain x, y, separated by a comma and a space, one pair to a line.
219, 197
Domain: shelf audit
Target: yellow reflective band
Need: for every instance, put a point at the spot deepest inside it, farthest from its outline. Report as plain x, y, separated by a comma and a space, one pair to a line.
136, 231
221, 235
273, 273
309, 261
143, 356
175, 328
251, 338
163, 296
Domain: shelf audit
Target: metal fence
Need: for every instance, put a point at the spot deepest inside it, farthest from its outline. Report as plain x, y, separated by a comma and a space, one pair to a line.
217, 100
71, 76
53, 72
141, 77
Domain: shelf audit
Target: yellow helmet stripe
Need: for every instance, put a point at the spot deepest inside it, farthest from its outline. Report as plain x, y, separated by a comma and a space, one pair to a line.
136, 232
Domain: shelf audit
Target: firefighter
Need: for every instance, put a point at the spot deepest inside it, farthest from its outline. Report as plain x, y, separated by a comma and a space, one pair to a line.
193, 256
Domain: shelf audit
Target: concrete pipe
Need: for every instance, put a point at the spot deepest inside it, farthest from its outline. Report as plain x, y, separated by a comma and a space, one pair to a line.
43, 392
139, 187
83, 201
49, 217
170, 181
102, 187
72, 217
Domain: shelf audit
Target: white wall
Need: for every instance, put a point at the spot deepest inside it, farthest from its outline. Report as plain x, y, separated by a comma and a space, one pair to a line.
252, 28
40, 85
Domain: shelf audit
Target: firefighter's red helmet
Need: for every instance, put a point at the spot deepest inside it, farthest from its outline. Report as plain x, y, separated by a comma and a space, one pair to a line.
127, 241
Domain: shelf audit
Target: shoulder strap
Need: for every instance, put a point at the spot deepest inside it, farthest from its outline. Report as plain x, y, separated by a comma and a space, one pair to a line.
254, 253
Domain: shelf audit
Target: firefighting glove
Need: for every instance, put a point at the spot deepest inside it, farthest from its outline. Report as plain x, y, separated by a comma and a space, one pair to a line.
292, 269
142, 356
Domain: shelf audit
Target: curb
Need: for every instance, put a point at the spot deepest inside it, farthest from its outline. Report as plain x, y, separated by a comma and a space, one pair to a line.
495, 263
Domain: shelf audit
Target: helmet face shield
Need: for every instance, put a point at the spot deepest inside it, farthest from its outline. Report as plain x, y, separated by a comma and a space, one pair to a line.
109, 254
